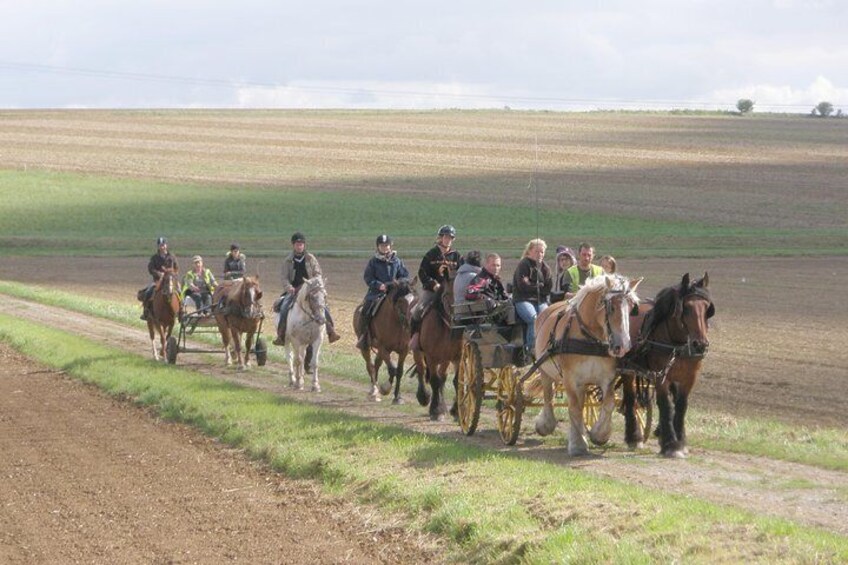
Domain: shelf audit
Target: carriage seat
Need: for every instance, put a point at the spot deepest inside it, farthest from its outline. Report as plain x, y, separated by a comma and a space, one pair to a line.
484, 311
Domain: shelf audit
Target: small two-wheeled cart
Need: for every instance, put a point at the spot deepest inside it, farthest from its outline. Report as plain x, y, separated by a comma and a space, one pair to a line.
202, 321
494, 364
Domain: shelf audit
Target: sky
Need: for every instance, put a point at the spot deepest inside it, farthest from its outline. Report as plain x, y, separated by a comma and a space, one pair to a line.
785, 55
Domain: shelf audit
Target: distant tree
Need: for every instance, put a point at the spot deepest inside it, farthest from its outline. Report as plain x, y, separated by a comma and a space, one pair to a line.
839, 113
744, 105
824, 109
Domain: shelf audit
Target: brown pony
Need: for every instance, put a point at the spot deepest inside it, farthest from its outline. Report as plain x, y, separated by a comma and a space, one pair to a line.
164, 311
240, 312
670, 349
389, 333
439, 348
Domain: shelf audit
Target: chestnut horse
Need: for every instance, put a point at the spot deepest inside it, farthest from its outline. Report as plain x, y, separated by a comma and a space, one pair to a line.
578, 344
671, 348
389, 333
164, 311
237, 310
439, 348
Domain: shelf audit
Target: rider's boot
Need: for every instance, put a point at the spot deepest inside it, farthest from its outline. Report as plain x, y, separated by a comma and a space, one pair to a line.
332, 336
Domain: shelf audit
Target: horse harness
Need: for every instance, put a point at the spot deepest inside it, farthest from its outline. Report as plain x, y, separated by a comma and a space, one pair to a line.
590, 346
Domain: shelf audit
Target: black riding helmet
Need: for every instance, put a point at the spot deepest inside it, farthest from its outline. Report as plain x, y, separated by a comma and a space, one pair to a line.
297, 236
161, 240
447, 230
383, 239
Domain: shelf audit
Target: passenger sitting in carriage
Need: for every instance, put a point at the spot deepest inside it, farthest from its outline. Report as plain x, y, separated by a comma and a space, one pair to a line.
488, 288
384, 269
234, 264
198, 286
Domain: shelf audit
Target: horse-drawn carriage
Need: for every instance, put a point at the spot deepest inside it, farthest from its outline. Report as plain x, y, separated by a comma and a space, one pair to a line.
203, 321
495, 364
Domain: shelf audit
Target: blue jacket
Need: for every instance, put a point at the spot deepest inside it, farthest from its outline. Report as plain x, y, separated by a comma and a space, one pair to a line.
383, 270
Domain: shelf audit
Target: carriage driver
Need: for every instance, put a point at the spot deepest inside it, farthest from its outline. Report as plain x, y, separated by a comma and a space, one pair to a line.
383, 269
433, 273
234, 264
298, 266
199, 284
160, 261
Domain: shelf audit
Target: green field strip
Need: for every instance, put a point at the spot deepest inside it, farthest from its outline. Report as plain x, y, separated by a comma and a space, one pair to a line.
54, 213
492, 507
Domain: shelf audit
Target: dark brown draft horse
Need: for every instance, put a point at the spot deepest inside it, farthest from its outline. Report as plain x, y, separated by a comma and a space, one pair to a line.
670, 349
389, 333
237, 309
439, 348
164, 311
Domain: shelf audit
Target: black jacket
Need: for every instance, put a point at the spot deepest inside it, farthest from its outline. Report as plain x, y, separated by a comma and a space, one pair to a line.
159, 263
540, 282
435, 266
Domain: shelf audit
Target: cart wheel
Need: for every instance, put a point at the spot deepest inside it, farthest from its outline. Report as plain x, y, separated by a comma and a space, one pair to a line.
592, 405
470, 388
171, 350
645, 409
261, 351
510, 404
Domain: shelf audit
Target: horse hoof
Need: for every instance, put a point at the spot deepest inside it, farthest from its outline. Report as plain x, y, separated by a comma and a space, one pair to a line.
437, 417
316, 388
583, 452
385, 388
673, 454
636, 445
398, 401
423, 399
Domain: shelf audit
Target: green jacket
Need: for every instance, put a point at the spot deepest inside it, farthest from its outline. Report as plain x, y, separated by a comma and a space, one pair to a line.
594, 271
191, 278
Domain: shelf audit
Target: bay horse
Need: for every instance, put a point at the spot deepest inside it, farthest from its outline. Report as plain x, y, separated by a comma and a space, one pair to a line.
164, 311
578, 344
438, 349
237, 310
671, 347
389, 333
305, 329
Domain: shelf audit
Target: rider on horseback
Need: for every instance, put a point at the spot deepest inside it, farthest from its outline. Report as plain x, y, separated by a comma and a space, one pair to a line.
383, 270
297, 267
433, 273
157, 265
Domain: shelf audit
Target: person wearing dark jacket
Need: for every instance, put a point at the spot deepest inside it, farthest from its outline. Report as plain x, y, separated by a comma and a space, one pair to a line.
487, 284
384, 269
234, 263
157, 265
434, 272
532, 283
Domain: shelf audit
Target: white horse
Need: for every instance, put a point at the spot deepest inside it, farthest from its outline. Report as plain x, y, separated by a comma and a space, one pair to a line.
306, 327
584, 340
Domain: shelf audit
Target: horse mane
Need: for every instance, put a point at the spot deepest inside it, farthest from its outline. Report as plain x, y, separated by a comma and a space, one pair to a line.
594, 285
401, 289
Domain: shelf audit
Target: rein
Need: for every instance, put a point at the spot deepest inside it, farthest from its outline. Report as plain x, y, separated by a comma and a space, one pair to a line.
592, 345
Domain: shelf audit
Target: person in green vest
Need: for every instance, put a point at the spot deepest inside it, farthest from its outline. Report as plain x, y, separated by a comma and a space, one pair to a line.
584, 269
199, 284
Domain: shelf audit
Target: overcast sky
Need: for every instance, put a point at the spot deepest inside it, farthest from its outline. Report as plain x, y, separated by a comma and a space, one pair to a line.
786, 55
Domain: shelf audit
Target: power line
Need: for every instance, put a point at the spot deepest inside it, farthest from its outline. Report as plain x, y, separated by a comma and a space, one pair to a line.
233, 84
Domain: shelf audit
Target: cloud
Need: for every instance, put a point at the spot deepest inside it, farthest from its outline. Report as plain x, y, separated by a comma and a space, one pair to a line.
782, 98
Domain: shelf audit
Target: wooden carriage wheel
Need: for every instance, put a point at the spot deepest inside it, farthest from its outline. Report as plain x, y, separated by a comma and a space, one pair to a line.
592, 405
510, 404
469, 392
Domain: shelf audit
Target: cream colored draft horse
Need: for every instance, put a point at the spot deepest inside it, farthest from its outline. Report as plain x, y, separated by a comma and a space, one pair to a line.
582, 341
305, 329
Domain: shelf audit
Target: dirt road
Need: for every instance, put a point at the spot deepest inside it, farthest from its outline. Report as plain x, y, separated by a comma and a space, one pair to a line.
90, 479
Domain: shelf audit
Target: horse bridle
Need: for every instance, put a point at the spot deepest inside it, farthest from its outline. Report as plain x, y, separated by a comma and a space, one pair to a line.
686, 350
312, 300
609, 297
251, 310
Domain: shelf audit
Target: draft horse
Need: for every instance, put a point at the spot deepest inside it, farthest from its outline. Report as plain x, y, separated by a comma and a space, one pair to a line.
238, 310
578, 344
164, 311
670, 349
305, 329
438, 349
388, 333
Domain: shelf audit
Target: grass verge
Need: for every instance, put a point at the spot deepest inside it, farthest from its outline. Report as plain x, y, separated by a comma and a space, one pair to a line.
491, 507
825, 448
